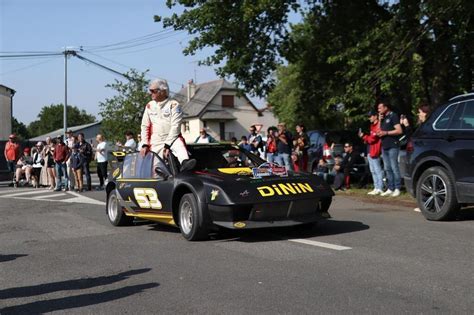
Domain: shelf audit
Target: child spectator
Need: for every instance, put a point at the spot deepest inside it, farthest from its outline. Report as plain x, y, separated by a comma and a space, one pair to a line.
271, 145
322, 169
338, 173
244, 143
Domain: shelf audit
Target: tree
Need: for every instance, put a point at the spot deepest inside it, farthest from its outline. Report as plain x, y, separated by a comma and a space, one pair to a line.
124, 111
50, 118
19, 129
247, 36
345, 55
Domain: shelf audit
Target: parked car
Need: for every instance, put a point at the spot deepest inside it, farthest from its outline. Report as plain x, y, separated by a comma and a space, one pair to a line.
439, 163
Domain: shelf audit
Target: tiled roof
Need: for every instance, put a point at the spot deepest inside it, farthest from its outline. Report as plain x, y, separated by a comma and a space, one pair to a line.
205, 92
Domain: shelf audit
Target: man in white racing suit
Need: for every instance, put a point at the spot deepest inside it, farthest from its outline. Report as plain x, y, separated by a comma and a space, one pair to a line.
161, 124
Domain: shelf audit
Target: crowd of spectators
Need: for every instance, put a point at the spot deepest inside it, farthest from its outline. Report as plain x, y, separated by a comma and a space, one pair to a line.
60, 165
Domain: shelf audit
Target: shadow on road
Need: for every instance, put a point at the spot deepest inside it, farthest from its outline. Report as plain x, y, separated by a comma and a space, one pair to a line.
466, 214
76, 284
4, 258
63, 303
46, 306
328, 227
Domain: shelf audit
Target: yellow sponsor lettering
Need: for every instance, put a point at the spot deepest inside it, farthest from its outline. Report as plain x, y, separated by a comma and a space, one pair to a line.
266, 191
305, 187
285, 189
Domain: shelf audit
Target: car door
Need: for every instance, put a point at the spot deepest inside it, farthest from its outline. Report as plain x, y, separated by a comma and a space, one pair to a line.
146, 184
461, 138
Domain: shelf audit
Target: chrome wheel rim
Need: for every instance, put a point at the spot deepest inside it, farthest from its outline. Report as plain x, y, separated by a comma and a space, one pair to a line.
433, 193
186, 217
112, 208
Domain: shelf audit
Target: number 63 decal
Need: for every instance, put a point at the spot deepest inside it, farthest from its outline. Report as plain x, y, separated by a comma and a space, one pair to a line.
147, 198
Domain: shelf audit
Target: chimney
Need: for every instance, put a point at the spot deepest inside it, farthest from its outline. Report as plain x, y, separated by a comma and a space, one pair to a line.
191, 89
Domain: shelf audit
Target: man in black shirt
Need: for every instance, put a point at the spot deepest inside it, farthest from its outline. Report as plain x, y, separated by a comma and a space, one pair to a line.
390, 130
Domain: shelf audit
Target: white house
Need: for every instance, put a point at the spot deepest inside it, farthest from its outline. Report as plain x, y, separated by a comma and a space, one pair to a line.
217, 107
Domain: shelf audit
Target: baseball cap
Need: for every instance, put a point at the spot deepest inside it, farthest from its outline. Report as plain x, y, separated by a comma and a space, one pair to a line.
12, 136
372, 112
26, 150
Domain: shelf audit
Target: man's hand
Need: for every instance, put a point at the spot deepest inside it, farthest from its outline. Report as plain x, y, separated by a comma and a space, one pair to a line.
144, 150
382, 133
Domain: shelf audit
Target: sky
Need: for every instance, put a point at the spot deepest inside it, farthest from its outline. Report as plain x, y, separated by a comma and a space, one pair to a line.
51, 25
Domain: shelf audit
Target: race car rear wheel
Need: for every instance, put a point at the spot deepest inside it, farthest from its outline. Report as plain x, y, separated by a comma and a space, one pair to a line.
191, 221
114, 211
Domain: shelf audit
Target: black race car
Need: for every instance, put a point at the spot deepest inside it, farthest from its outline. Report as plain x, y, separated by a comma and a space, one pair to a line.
228, 187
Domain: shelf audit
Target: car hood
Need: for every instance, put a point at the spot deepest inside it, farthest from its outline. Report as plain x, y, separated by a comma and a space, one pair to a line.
238, 185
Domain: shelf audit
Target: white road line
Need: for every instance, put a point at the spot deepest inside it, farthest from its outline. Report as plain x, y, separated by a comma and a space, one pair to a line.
28, 192
50, 195
320, 244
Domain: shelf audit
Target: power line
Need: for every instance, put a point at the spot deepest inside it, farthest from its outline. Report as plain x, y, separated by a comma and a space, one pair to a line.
150, 75
127, 41
29, 55
176, 94
29, 66
146, 41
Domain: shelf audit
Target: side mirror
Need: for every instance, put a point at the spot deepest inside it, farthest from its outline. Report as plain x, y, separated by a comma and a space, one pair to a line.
160, 173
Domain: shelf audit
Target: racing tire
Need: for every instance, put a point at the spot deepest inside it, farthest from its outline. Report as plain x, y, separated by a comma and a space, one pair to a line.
191, 219
436, 194
115, 213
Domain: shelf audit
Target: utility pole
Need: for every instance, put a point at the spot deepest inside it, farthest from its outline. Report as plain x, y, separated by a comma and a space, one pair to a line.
66, 52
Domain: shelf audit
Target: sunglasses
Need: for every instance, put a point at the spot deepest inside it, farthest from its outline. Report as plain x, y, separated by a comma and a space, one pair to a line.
154, 91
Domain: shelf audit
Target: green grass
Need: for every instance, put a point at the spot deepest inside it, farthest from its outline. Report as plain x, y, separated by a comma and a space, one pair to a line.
405, 199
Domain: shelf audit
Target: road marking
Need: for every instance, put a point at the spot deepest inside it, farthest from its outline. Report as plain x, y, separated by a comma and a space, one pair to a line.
320, 244
50, 195
29, 193
32, 194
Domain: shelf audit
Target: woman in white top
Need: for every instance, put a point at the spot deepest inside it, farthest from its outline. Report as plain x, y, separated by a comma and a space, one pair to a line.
101, 157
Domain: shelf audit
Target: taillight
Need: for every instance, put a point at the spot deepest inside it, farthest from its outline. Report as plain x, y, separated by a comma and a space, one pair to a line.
410, 147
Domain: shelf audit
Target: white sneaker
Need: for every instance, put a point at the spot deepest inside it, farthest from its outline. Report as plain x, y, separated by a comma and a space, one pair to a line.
396, 193
374, 192
417, 210
388, 192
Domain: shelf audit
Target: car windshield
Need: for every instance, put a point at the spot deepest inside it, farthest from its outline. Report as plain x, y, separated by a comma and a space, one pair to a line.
213, 157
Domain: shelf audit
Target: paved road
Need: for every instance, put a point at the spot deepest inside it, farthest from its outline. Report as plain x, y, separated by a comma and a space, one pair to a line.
58, 253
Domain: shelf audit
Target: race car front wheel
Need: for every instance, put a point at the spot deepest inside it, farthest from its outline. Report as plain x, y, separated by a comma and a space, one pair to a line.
114, 211
191, 221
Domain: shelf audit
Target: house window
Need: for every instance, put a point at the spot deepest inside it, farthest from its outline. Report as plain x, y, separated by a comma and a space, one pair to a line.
227, 100
205, 124
186, 126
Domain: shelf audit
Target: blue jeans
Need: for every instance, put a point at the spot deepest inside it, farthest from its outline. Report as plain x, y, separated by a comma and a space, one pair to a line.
392, 169
61, 173
272, 157
377, 172
284, 160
